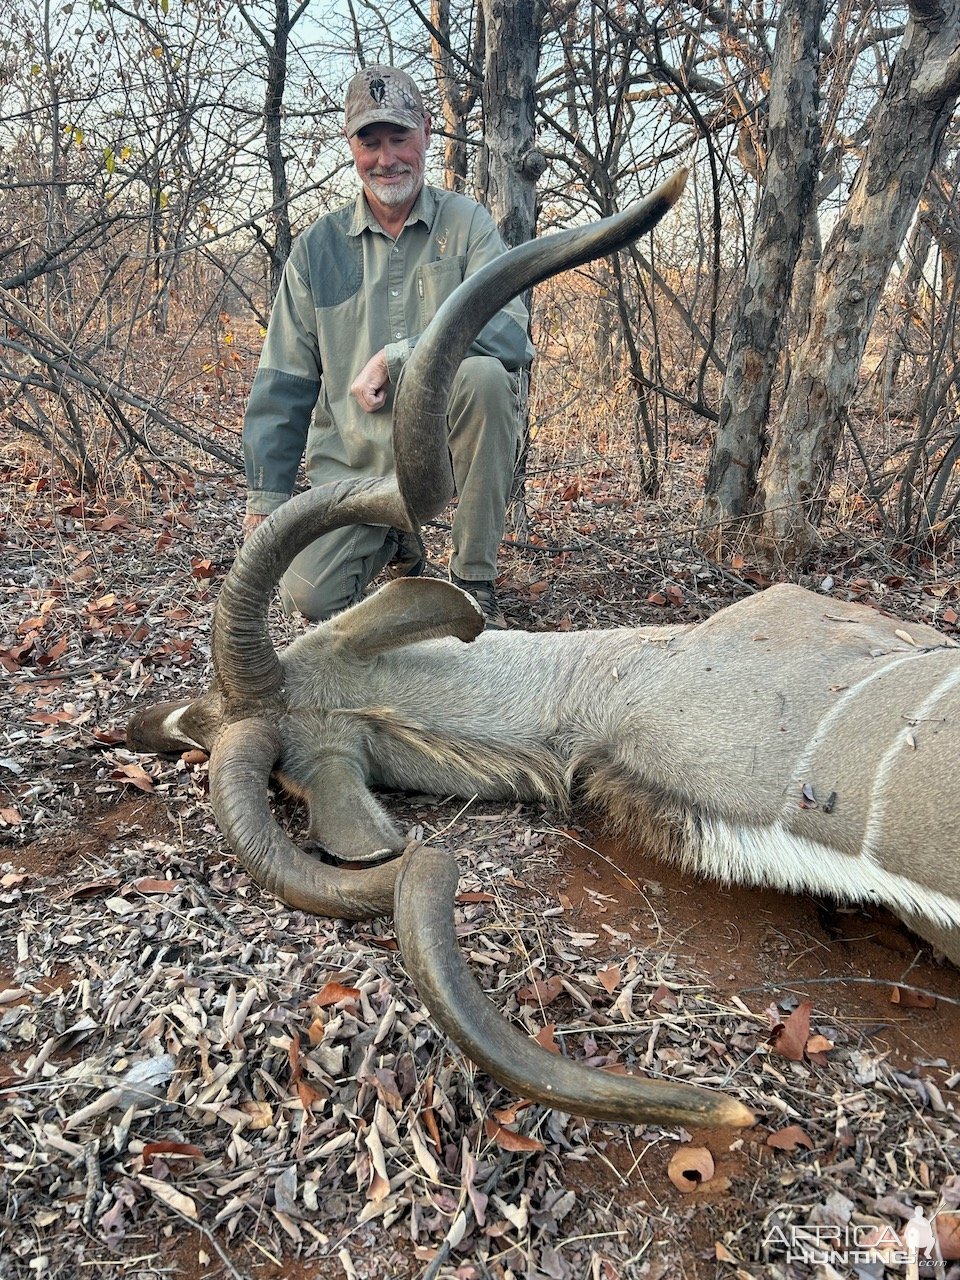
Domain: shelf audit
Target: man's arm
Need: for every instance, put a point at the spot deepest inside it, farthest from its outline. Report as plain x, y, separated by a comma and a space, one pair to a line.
282, 398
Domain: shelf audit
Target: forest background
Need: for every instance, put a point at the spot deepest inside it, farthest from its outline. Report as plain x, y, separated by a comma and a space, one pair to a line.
196, 1079
797, 312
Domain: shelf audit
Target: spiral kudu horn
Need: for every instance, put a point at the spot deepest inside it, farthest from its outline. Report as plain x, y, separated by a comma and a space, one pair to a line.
426, 884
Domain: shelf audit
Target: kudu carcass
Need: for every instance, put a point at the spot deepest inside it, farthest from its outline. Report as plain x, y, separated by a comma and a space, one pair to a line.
791, 740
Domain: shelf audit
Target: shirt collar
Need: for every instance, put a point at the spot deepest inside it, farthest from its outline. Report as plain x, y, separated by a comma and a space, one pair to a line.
424, 210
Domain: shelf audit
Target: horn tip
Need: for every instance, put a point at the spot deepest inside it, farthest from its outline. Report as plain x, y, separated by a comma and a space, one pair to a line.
672, 188
733, 1114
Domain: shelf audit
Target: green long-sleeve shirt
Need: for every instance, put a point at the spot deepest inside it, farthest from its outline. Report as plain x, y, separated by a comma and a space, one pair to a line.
349, 291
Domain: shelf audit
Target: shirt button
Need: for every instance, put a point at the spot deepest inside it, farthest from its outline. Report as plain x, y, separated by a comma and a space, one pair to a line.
395, 293
398, 336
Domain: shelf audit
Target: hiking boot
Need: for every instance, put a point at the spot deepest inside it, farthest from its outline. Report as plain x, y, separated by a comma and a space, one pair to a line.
486, 598
409, 559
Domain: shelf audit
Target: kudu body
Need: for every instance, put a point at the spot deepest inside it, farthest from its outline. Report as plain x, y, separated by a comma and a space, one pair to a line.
790, 740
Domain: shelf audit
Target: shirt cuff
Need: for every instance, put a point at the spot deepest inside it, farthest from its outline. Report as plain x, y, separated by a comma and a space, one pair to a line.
263, 502
397, 354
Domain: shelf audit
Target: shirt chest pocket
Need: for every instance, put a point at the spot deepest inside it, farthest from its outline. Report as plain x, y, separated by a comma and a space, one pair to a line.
435, 283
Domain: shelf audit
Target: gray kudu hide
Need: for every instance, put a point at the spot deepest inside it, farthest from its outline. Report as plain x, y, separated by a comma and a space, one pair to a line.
790, 740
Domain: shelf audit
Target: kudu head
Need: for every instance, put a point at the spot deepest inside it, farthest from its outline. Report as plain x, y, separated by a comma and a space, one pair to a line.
241, 720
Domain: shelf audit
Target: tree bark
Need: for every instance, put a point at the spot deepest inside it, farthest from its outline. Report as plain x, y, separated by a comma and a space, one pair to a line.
456, 102
905, 138
792, 153
512, 163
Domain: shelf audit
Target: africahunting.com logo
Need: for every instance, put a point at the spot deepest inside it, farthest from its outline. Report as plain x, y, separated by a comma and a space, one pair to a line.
923, 1246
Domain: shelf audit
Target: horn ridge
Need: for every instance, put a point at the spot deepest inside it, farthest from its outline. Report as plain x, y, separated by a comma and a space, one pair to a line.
244, 659
419, 412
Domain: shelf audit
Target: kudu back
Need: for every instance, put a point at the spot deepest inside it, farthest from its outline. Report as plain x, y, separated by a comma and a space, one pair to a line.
790, 740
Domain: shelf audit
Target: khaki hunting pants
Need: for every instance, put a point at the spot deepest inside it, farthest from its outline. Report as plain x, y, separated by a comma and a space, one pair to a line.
483, 420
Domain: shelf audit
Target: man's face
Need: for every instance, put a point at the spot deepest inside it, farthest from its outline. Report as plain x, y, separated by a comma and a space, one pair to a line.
390, 161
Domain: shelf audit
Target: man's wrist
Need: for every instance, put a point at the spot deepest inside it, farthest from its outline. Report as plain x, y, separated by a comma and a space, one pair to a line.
396, 355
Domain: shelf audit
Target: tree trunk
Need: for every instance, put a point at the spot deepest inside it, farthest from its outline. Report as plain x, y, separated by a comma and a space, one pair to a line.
792, 150
512, 162
906, 135
272, 117
275, 48
456, 102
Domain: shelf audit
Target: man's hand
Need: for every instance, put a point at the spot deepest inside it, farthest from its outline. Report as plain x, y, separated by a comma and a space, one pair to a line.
369, 388
250, 523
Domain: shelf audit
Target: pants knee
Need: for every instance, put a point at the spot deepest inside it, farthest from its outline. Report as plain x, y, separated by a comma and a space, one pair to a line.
482, 382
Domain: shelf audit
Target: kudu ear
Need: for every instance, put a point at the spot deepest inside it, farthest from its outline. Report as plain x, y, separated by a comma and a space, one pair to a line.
406, 612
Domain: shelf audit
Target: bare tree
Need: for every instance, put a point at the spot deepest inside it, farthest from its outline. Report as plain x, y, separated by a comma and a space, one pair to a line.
906, 135
788, 155
512, 164
275, 44
459, 64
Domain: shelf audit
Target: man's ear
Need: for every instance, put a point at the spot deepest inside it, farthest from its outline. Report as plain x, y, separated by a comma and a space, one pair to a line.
405, 612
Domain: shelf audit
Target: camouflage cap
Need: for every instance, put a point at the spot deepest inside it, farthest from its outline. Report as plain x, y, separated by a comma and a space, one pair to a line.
382, 95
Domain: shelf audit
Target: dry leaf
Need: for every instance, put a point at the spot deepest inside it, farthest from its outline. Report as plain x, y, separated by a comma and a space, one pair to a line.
946, 1226
260, 1114
789, 1139
148, 885
541, 991
332, 993
690, 1167
819, 1044
424, 1158
508, 1140
92, 888
663, 996
790, 1038
178, 1150
508, 1115
201, 568
609, 979
817, 1049
134, 775
544, 1038
910, 999
171, 1196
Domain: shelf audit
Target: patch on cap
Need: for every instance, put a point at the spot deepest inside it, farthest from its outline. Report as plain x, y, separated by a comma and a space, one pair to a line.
382, 95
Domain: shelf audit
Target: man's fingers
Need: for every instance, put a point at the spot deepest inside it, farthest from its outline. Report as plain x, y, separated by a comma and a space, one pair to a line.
369, 388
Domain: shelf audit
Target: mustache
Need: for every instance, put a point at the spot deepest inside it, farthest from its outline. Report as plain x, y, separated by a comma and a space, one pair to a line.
395, 172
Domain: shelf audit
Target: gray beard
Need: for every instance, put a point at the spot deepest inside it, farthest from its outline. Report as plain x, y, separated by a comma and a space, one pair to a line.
392, 195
